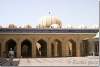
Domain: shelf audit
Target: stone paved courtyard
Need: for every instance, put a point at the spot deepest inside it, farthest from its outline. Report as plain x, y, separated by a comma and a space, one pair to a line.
69, 61
64, 61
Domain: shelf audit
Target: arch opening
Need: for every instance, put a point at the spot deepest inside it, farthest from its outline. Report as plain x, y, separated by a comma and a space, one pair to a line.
56, 47
96, 48
26, 49
41, 48
52, 51
73, 47
10, 44
85, 46
68, 49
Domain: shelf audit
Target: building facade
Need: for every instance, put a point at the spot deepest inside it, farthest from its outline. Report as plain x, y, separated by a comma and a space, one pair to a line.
48, 40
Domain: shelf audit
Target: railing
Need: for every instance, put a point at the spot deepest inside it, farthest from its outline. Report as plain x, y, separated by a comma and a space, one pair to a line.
35, 30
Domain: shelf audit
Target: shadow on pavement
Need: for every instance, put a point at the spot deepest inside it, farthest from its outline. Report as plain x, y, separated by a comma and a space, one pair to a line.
5, 62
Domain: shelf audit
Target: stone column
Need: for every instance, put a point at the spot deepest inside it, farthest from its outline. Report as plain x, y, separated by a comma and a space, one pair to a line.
3, 49
68, 48
34, 49
64, 48
55, 49
78, 48
18, 51
49, 48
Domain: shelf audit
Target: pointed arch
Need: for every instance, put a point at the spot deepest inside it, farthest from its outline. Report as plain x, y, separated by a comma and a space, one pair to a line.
26, 48
10, 43
56, 47
73, 47
42, 50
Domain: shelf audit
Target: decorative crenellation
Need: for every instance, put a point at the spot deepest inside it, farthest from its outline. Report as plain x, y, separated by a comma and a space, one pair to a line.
52, 26
80, 26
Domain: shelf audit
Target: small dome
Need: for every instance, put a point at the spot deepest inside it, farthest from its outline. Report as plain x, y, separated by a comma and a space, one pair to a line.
0, 26
20, 27
97, 35
12, 26
55, 26
47, 21
28, 26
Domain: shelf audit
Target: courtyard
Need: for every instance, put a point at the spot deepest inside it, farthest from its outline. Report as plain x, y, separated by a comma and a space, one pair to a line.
63, 61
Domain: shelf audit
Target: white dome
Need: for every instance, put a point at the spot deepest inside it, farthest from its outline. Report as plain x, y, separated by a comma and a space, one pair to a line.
47, 21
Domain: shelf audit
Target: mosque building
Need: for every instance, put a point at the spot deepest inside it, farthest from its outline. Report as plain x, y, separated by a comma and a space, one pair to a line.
49, 39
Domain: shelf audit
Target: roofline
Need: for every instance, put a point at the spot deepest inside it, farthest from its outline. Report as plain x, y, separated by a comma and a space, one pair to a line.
47, 33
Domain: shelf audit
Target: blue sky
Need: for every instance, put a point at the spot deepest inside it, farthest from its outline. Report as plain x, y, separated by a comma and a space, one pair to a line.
21, 12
